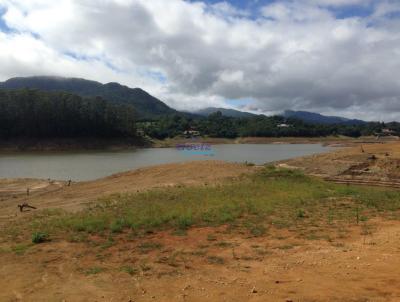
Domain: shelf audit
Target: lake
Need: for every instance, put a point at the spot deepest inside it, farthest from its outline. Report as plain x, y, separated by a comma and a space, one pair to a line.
79, 166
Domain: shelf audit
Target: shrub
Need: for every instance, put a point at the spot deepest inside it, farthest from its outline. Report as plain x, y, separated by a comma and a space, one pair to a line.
39, 237
301, 213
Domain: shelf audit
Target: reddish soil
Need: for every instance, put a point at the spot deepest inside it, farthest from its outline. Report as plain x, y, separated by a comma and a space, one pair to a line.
210, 264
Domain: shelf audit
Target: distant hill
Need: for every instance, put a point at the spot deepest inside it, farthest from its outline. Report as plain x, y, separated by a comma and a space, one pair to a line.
145, 104
224, 111
316, 118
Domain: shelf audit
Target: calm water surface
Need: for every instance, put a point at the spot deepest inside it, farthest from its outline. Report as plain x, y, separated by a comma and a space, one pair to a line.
91, 165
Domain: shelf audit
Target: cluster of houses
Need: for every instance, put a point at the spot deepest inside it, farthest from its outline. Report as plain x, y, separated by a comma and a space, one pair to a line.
194, 133
191, 133
386, 132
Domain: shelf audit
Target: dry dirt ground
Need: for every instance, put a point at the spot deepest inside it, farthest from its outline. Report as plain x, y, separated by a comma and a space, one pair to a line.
356, 263
369, 162
211, 264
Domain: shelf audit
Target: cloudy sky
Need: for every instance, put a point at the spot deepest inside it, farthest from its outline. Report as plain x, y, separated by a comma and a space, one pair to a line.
338, 57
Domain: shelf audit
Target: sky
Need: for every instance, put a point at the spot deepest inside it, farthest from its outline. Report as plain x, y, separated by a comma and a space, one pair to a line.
335, 57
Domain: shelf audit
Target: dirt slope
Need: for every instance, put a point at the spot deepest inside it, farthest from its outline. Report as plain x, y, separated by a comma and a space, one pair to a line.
365, 161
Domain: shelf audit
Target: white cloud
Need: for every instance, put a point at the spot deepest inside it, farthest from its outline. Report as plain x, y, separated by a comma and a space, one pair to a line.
295, 55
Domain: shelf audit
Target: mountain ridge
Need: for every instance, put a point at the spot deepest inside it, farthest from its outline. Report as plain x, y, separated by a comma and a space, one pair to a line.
317, 118
225, 111
146, 105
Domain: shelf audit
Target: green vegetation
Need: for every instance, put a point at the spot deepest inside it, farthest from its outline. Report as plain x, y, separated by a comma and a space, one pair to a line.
36, 114
78, 108
20, 249
146, 105
40, 114
218, 125
129, 270
273, 198
39, 237
94, 270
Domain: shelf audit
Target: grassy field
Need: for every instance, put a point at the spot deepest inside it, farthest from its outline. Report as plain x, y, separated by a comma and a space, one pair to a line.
273, 198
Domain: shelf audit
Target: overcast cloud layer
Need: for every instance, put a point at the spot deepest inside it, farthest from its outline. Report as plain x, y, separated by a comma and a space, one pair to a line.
338, 57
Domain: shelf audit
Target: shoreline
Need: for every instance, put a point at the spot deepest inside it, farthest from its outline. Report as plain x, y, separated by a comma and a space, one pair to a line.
118, 145
334, 163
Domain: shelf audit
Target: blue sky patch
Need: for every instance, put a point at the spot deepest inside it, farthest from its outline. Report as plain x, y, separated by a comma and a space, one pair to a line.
155, 75
341, 12
353, 11
3, 25
239, 102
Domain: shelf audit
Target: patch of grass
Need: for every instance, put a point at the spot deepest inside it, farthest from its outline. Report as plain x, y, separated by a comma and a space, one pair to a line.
40, 237
129, 270
20, 249
117, 226
274, 196
258, 230
271, 171
184, 222
94, 270
301, 213
107, 244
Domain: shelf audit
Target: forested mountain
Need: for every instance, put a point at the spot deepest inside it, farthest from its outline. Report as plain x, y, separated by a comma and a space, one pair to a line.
76, 108
224, 112
145, 105
26, 113
316, 118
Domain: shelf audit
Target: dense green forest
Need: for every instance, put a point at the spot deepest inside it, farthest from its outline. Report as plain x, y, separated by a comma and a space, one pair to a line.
217, 125
38, 114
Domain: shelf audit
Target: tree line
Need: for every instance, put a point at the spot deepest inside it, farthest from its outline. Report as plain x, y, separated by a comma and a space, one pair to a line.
38, 114
218, 125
